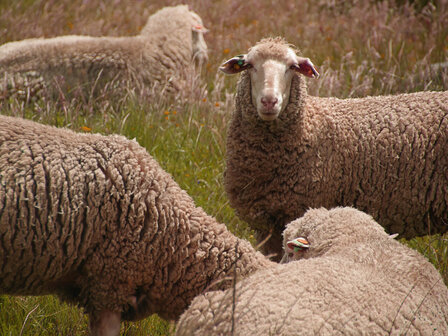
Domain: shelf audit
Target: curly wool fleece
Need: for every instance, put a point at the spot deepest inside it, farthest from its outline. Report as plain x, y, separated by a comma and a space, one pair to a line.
95, 220
385, 155
354, 279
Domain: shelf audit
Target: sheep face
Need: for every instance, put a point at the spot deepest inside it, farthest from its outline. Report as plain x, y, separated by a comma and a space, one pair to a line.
199, 46
270, 85
272, 64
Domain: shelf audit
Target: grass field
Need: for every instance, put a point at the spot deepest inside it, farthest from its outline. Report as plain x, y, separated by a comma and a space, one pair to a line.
360, 47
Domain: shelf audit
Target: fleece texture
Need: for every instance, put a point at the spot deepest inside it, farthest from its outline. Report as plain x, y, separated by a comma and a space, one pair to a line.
385, 155
354, 280
157, 58
95, 220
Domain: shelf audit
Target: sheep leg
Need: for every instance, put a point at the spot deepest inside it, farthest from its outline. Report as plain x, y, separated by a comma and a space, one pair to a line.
105, 323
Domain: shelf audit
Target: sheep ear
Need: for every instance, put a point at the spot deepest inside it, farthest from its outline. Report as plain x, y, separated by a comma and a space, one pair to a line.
306, 67
199, 29
235, 65
298, 244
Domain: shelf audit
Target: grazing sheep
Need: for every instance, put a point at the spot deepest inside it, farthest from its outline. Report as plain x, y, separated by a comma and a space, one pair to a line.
288, 151
95, 220
159, 57
353, 279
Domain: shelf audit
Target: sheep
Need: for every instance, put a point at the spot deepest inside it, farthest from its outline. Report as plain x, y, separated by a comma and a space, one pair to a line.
288, 151
353, 279
95, 220
160, 57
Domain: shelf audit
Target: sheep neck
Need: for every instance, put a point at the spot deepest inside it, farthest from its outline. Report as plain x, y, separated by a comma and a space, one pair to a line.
204, 256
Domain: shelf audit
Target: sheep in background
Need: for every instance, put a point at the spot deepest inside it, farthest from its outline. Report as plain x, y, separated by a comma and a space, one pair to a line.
160, 57
287, 151
353, 279
95, 220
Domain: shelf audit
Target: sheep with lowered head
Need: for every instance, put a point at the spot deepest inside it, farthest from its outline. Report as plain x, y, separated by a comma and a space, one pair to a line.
352, 279
95, 220
288, 151
161, 57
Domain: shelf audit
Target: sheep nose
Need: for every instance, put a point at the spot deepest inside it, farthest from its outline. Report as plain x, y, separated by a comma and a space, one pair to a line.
269, 102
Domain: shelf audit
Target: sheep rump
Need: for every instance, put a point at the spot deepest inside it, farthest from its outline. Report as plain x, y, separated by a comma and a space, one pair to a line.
353, 279
95, 220
159, 58
384, 155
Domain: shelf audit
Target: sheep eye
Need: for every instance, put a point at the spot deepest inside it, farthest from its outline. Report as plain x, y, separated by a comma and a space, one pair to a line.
293, 67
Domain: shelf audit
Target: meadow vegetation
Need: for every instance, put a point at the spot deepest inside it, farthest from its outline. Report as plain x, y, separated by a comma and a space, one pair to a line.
360, 47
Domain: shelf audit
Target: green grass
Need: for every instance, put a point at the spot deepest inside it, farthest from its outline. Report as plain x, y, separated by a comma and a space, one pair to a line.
39, 315
435, 248
46, 316
360, 48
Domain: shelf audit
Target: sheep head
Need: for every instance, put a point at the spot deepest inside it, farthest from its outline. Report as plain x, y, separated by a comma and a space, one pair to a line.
333, 231
271, 63
179, 22
199, 46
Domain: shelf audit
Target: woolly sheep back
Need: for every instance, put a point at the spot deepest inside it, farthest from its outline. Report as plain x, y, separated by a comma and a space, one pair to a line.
354, 279
159, 58
95, 220
384, 155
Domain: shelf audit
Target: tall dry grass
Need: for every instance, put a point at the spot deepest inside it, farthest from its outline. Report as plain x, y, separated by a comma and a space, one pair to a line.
361, 47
